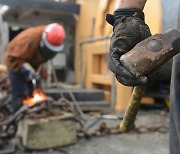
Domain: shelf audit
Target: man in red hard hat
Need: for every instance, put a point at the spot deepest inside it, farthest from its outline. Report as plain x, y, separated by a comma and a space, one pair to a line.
26, 52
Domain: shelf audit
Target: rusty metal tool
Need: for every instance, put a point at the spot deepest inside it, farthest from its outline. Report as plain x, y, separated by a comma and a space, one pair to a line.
152, 53
143, 58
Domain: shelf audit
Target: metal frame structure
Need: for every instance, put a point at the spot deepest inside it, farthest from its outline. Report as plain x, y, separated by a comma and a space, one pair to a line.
113, 86
80, 53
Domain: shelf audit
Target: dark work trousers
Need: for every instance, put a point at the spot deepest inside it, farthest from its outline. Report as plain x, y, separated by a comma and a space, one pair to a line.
19, 88
174, 131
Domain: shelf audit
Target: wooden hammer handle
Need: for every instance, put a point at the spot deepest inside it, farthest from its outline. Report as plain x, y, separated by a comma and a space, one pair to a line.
127, 123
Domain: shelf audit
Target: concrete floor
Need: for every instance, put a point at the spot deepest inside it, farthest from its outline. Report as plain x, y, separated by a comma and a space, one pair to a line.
152, 143
132, 143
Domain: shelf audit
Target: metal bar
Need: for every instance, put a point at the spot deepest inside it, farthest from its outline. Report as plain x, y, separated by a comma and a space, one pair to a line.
55, 79
95, 39
66, 7
113, 93
80, 53
4, 31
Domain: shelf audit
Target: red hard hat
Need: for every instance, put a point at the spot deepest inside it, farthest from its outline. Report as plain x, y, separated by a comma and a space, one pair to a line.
55, 34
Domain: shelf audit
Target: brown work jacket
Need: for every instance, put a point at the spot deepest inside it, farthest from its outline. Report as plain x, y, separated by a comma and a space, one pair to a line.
25, 48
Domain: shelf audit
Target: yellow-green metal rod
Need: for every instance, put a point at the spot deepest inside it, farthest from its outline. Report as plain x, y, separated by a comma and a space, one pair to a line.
127, 123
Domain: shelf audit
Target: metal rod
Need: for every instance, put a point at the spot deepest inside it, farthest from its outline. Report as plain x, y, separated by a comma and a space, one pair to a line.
113, 93
55, 79
95, 39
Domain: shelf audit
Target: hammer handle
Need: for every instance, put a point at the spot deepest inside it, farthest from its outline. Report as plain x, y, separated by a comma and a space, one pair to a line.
127, 123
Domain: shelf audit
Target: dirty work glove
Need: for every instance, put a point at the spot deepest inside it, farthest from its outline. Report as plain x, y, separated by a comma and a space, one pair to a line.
129, 29
28, 72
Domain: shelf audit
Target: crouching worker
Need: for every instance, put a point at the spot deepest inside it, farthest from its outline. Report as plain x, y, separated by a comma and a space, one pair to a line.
26, 52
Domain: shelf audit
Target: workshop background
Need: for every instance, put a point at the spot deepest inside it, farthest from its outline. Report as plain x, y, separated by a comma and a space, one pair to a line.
81, 76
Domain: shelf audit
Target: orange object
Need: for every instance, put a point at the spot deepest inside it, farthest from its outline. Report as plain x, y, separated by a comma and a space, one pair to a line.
55, 34
37, 96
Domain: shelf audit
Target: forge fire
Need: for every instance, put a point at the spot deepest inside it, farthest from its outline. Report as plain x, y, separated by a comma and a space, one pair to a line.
37, 96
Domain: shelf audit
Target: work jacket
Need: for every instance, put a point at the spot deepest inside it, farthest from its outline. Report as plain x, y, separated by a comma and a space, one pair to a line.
25, 48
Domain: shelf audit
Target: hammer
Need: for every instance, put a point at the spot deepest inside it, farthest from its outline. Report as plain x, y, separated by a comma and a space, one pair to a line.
147, 55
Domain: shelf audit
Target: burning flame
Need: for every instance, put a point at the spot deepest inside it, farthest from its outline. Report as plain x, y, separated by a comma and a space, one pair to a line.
37, 96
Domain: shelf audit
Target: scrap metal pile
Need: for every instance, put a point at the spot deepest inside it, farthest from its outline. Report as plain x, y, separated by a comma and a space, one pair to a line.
4, 87
4, 105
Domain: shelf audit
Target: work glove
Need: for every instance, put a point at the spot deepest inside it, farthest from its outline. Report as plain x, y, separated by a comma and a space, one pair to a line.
129, 29
28, 72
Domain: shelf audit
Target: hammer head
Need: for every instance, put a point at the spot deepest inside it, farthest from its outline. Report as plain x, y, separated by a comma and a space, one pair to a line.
151, 53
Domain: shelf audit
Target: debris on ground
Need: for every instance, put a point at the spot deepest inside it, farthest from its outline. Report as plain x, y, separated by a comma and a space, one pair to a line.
93, 126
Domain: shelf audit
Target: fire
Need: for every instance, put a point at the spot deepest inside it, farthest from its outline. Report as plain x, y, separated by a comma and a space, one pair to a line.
37, 96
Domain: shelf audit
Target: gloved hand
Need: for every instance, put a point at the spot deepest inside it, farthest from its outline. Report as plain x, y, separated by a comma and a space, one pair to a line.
29, 72
129, 29
161, 74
